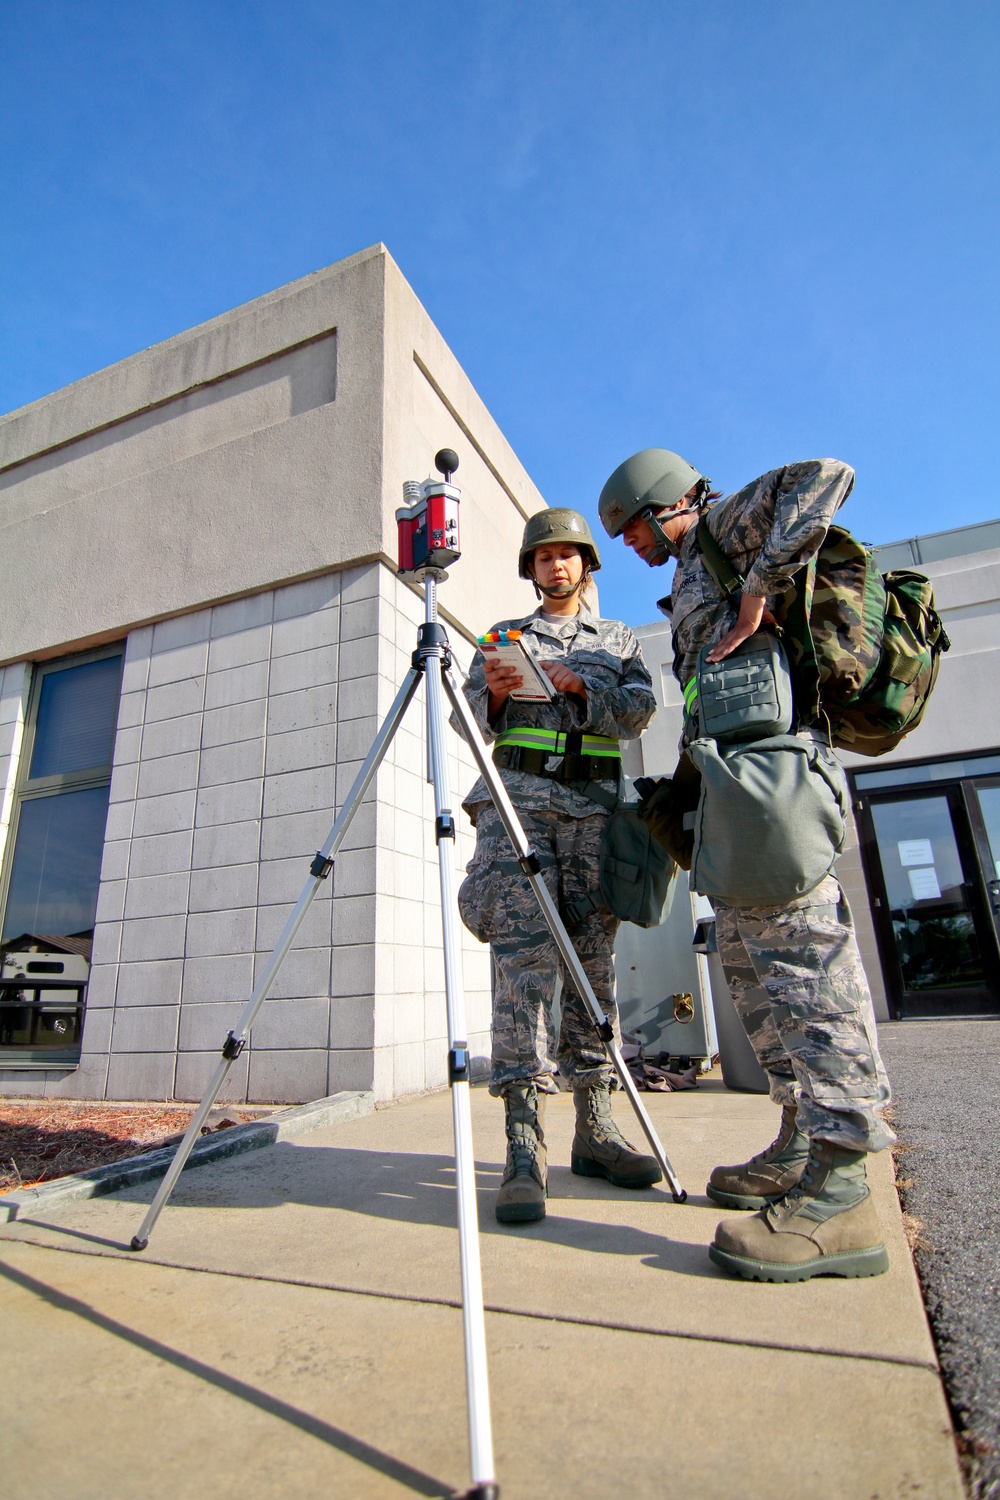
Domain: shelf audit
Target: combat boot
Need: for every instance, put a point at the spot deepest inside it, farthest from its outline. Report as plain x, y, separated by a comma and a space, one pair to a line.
521, 1198
767, 1176
599, 1148
825, 1226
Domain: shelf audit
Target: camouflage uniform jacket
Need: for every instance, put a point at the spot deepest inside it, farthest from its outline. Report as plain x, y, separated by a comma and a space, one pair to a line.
620, 701
768, 529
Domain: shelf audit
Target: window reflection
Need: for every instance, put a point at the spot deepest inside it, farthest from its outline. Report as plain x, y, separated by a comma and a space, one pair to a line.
47, 928
57, 865
989, 802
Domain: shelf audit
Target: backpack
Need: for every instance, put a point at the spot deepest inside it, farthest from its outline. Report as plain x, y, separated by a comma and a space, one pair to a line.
864, 648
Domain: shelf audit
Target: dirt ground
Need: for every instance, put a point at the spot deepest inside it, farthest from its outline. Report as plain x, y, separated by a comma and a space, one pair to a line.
42, 1139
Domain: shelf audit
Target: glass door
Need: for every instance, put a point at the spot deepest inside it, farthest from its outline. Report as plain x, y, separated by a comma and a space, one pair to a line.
982, 797
936, 919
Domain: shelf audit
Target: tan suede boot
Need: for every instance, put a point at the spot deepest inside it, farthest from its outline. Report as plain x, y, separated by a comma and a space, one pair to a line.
521, 1199
825, 1226
767, 1176
599, 1148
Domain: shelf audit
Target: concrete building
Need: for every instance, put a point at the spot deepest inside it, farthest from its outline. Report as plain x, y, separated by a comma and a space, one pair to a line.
922, 867
203, 630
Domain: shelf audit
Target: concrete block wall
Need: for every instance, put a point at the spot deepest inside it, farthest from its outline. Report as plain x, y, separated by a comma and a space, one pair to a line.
241, 728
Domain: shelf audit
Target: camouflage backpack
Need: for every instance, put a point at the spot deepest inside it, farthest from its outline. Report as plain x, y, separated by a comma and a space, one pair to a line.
864, 648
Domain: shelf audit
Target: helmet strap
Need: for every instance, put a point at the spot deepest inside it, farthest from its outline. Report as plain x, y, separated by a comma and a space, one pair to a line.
562, 592
663, 547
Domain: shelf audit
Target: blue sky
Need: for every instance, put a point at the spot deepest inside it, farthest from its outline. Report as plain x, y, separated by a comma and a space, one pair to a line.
750, 230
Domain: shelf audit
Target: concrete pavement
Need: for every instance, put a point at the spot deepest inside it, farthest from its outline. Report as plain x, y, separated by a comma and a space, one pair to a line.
293, 1329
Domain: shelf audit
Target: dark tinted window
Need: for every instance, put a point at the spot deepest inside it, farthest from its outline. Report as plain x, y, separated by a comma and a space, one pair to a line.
77, 710
57, 864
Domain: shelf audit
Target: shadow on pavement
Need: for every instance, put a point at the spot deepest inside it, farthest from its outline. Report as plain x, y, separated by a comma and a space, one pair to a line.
414, 1188
403, 1473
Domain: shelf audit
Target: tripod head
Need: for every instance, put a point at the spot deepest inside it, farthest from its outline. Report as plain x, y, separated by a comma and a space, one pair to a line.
427, 523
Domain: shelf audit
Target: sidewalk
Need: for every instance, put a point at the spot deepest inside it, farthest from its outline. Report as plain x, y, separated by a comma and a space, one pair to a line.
293, 1329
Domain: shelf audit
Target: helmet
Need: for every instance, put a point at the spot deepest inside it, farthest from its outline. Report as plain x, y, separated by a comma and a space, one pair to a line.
653, 479
558, 524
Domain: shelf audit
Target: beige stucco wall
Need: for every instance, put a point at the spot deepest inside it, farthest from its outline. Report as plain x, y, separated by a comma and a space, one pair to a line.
266, 445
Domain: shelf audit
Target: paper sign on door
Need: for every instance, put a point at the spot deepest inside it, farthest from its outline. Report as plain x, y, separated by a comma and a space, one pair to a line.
924, 884
915, 852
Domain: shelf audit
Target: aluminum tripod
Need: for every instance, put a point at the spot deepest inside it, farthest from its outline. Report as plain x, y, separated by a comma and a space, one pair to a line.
432, 661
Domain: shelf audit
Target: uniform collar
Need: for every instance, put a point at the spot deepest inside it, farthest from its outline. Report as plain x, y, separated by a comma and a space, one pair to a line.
539, 626
689, 546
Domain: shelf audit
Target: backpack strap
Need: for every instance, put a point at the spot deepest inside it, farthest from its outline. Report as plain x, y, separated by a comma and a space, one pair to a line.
718, 564
595, 792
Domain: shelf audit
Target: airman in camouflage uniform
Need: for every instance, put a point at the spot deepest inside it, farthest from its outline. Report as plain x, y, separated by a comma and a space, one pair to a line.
605, 691
794, 970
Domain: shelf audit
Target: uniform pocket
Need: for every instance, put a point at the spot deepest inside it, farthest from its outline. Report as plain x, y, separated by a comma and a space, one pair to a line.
482, 895
822, 1011
599, 669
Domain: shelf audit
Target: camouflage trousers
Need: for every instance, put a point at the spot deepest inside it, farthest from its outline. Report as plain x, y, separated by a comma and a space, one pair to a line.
499, 906
797, 981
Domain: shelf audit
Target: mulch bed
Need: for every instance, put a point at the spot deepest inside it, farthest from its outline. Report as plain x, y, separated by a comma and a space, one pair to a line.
43, 1139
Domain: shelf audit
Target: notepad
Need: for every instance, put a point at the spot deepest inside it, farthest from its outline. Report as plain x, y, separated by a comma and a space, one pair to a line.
510, 647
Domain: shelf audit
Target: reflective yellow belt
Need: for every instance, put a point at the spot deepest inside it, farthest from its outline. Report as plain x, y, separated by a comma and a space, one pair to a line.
553, 742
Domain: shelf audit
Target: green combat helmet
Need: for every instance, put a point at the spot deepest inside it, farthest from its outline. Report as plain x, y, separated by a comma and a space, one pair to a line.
650, 481
559, 524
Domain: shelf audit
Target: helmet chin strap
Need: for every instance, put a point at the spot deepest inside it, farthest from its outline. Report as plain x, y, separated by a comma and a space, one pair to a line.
560, 591
663, 548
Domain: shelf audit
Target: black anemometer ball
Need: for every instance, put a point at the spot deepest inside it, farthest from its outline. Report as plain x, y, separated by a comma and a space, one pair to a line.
446, 462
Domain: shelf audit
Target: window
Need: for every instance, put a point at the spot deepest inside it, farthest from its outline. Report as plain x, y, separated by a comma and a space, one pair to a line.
48, 894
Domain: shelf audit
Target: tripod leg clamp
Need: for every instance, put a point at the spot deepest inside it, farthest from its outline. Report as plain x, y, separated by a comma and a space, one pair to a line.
432, 640
321, 866
530, 863
458, 1063
233, 1046
444, 827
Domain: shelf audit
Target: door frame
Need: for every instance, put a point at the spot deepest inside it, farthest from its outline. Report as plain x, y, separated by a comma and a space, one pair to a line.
903, 1004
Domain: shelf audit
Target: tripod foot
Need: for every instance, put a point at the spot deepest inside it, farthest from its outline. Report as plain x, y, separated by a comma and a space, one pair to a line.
488, 1491
137, 1243
680, 1197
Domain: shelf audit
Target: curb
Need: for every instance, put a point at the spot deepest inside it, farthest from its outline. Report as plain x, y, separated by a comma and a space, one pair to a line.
237, 1139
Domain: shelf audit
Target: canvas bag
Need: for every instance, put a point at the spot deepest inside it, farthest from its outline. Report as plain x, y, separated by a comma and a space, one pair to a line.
770, 821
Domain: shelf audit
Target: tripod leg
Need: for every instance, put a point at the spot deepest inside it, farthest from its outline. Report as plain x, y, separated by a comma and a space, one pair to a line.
557, 927
318, 872
476, 1373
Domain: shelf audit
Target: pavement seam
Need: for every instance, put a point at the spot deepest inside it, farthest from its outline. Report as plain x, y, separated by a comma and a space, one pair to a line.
611, 1325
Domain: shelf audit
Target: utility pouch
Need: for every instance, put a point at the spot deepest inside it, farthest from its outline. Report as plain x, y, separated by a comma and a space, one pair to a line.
746, 696
771, 818
636, 875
